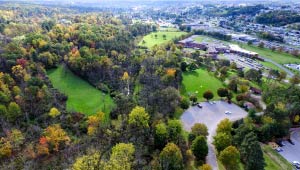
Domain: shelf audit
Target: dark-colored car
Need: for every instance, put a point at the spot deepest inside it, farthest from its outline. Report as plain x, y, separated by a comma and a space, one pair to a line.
291, 142
280, 143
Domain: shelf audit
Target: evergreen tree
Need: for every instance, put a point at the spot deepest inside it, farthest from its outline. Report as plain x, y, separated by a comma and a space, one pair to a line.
251, 153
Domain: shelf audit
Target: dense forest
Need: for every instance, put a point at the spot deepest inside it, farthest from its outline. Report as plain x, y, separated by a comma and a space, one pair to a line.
142, 130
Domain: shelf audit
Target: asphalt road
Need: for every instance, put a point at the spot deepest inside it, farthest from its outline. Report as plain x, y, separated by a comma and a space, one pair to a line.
289, 72
211, 115
292, 152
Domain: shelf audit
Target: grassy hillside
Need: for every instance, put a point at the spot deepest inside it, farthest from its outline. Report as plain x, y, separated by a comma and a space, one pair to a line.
150, 40
275, 161
82, 96
197, 82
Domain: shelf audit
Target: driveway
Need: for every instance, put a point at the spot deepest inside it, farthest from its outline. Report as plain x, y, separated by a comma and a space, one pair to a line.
211, 115
292, 152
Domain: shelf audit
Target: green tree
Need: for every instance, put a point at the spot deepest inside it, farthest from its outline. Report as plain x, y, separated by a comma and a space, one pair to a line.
224, 126
184, 103
164, 37
200, 148
139, 117
90, 162
222, 140
233, 85
3, 110
205, 167
161, 135
121, 158
251, 153
208, 95
230, 158
222, 92
295, 79
14, 111
174, 130
282, 75
253, 75
193, 98
199, 129
170, 158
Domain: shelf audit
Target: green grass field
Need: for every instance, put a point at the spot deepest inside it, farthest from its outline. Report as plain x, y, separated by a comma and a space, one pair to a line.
150, 39
201, 38
82, 97
281, 58
199, 81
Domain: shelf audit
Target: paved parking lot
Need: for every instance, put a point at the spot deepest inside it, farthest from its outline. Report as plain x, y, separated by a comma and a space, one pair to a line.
211, 115
292, 152
243, 61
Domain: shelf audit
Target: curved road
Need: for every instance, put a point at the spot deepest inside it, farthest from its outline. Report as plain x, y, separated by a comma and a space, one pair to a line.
289, 72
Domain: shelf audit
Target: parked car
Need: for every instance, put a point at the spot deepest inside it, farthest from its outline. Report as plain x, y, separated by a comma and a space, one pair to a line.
200, 106
279, 149
291, 142
297, 167
214, 102
296, 163
280, 143
194, 104
228, 112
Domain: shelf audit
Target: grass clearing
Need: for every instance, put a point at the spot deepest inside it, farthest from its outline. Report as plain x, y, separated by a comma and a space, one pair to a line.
82, 97
281, 58
199, 81
206, 39
150, 40
275, 161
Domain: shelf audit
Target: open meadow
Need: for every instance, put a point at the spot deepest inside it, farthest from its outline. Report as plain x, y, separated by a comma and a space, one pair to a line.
82, 97
199, 81
158, 38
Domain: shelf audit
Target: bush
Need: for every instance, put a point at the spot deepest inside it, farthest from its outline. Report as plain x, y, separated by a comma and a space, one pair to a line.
184, 103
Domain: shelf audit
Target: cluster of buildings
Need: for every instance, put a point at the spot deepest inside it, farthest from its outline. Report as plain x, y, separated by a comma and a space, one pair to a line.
215, 48
291, 37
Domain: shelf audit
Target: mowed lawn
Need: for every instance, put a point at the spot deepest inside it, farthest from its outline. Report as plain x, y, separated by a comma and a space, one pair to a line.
82, 97
150, 40
199, 81
281, 58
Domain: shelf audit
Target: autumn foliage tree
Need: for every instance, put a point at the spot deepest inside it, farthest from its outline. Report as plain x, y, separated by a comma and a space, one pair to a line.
55, 137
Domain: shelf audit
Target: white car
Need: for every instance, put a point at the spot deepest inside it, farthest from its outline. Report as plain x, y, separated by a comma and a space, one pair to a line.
228, 112
296, 163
